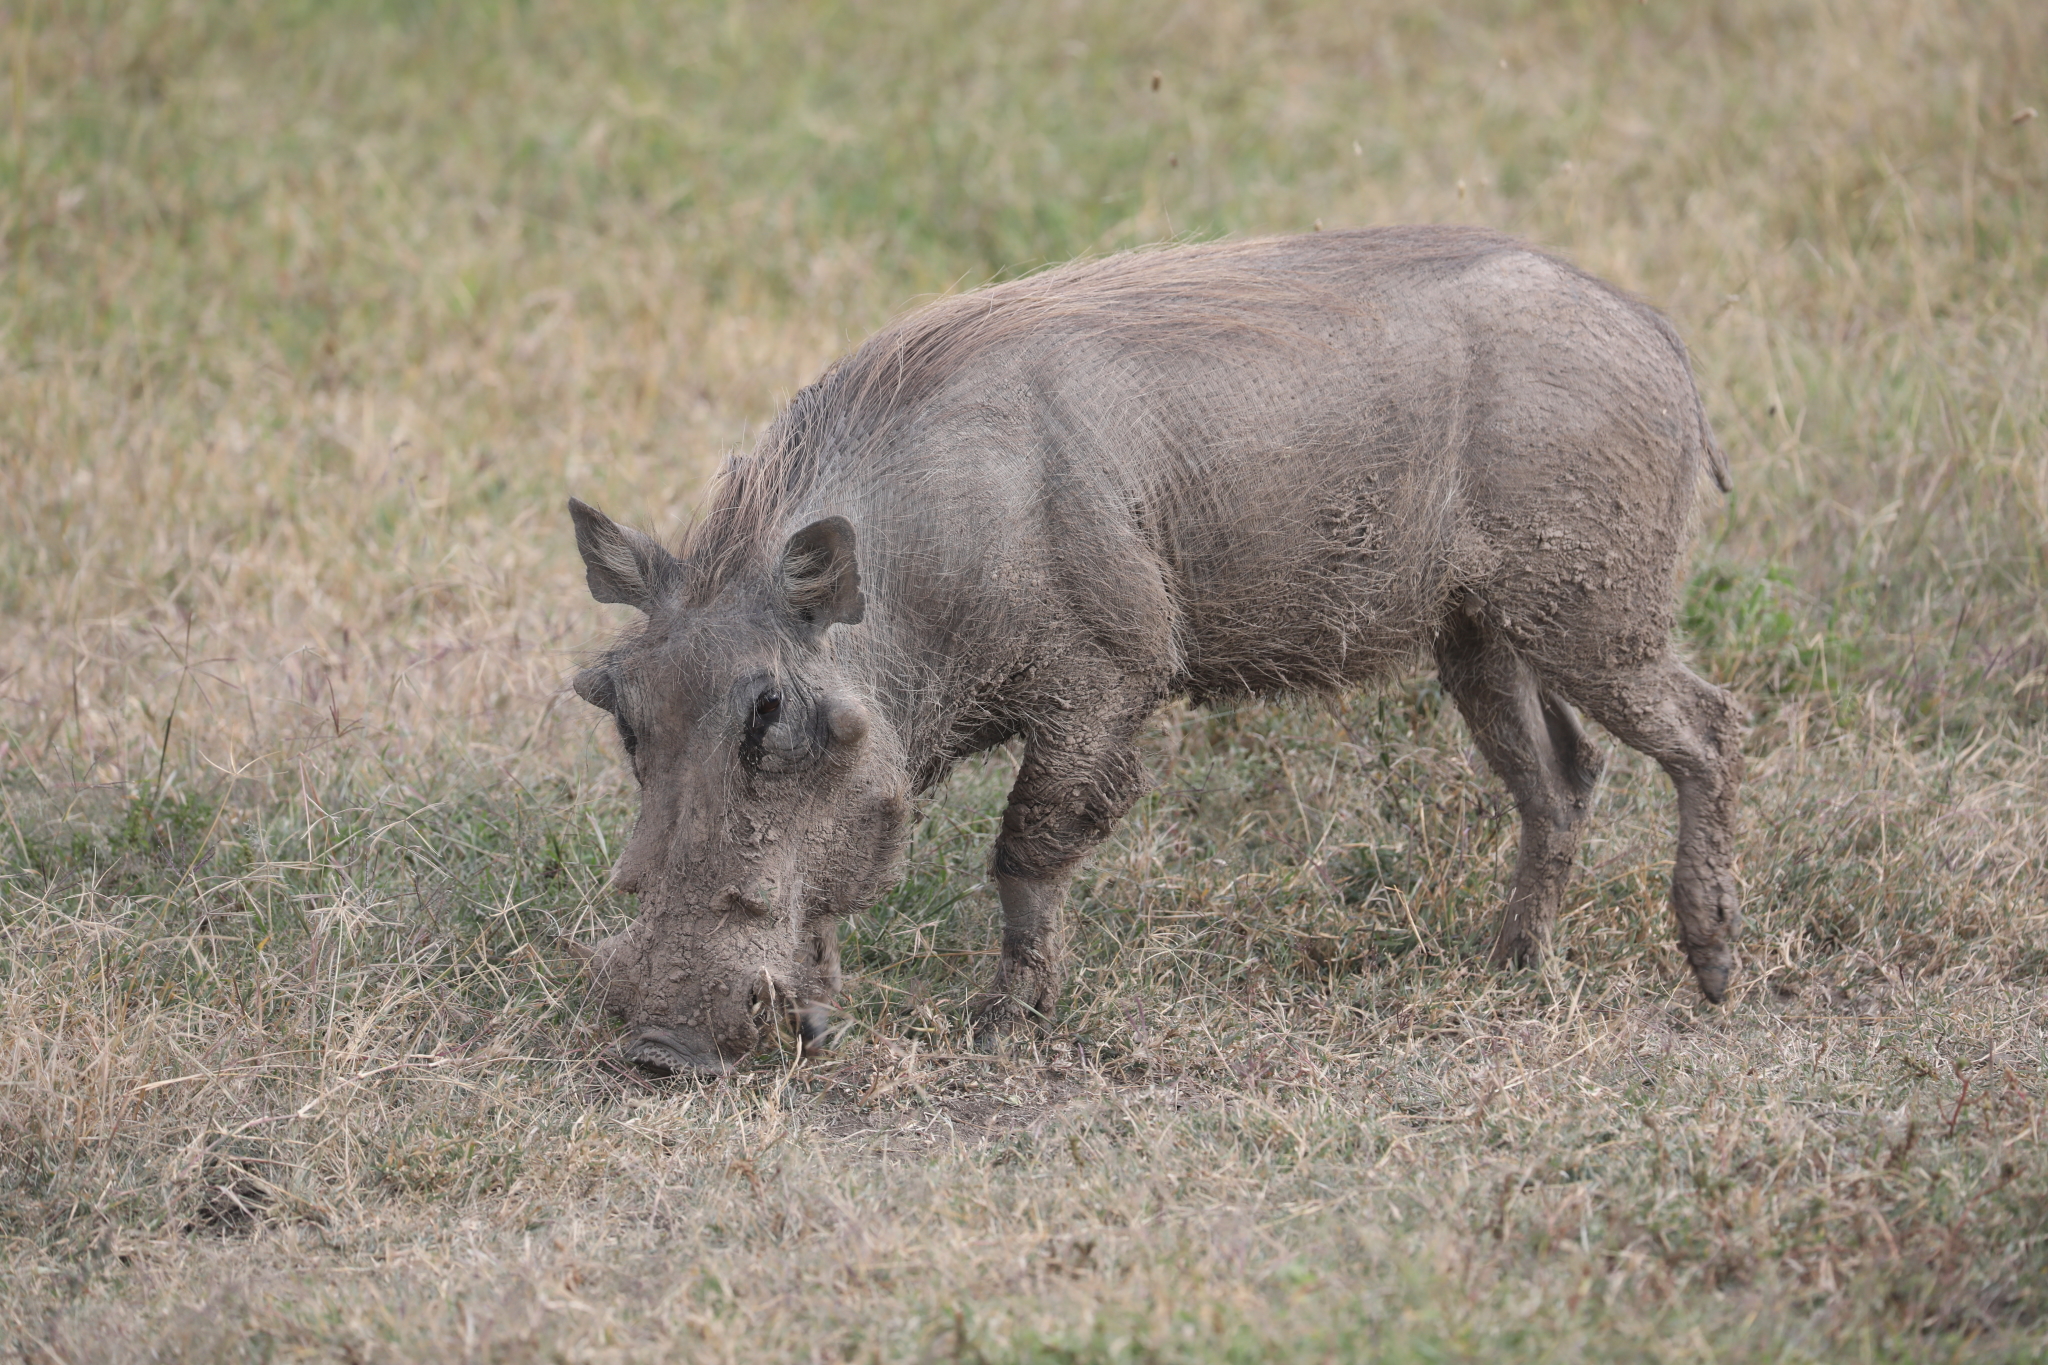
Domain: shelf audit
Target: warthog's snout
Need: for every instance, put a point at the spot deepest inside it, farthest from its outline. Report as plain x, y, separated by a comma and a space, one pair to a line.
669, 1052
707, 1033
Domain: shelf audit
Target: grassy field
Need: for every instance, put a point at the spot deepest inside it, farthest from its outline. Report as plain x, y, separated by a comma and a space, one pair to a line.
313, 314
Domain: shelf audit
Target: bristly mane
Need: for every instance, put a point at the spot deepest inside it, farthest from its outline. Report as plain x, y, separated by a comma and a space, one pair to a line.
846, 409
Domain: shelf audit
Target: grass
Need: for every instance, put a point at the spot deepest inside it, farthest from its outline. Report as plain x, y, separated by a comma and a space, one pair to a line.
312, 315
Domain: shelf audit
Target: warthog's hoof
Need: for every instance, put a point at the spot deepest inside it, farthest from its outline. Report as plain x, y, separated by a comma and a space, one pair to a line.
1022, 998
813, 1024
1517, 949
1712, 968
998, 1014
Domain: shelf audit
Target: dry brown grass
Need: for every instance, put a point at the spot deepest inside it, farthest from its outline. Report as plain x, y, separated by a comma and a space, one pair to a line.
312, 317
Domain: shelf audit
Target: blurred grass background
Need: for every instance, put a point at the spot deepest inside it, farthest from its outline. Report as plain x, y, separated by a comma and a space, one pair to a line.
312, 314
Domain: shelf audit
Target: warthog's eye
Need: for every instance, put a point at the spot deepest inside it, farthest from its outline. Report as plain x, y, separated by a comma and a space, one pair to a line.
770, 745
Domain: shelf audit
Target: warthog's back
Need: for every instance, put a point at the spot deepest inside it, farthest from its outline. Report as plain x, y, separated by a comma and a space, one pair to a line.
1275, 461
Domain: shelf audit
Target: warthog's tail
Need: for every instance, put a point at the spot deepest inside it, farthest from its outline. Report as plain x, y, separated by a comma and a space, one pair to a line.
1717, 458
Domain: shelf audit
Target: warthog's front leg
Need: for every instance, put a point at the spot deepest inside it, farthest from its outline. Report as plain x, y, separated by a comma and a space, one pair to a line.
1028, 975
1071, 789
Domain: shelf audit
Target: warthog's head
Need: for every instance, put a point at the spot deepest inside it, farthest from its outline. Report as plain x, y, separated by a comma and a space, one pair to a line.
773, 799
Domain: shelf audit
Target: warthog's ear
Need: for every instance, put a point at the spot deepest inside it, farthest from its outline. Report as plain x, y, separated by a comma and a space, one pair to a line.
820, 582
621, 564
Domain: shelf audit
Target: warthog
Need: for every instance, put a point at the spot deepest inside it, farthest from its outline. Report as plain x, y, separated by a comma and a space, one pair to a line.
1040, 509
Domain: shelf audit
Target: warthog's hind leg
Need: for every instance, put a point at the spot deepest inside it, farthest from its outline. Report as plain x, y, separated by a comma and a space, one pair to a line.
1694, 729
1532, 739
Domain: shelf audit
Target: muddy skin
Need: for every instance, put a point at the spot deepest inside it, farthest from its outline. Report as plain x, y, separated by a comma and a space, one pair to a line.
1039, 510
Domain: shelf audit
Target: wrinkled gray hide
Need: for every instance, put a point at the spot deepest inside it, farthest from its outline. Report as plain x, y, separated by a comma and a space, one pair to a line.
1040, 509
